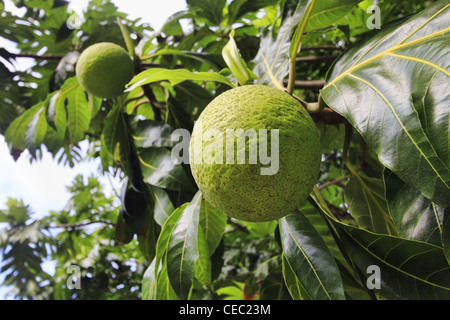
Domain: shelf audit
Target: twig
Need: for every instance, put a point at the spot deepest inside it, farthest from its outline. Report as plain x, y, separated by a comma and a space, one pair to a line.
157, 65
334, 182
329, 117
36, 56
315, 58
307, 84
80, 225
238, 226
323, 47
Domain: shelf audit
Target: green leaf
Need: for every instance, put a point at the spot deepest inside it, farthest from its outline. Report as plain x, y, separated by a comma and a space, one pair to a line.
174, 77
394, 89
15, 134
203, 262
446, 234
36, 130
163, 205
232, 292
273, 287
414, 216
157, 287
365, 197
272, 60
213, 223
150, 133
166, 231
124, 234
326, 13
208, 9
292, 283
78, 112
116, 134
138, 214
183, 250
310, 259
409, 269
213, 59
172, 25
235, 62
406, 270
160, 170
238, 8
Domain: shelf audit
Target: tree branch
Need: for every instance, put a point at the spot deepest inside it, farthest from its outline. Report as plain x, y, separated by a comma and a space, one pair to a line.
36, 56
315, 58
328, 116
80, 225
307, 84
323, 47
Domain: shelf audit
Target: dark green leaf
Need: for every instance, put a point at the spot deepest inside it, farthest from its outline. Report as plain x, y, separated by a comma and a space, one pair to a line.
208, 9
238, 8
414, 216
174, 77
15, 134
203, 262
150, 133
160, 170
408, 269
326, 13
36, 130
172, 25
78, 115
292, 283
405, 268
273, 287
163, 205
367, 204
272, 60
183, 250
213, 223
394, 89
310, 259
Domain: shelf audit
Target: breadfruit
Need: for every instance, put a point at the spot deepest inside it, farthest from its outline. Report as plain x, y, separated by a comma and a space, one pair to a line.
255, 153
103, 69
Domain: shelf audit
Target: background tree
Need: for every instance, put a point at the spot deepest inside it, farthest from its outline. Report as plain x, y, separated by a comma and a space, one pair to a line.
380, 102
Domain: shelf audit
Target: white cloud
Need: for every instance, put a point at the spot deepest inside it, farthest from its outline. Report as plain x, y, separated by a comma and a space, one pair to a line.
41, 184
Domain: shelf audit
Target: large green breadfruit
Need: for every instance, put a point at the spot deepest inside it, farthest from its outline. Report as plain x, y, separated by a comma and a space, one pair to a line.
103, 69
255, 191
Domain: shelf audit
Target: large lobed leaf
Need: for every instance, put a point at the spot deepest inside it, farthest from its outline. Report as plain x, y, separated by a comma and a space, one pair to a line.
394, 89
309, 258
272, 60
409, 269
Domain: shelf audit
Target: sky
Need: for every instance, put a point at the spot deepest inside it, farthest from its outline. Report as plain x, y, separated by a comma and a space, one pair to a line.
42, 184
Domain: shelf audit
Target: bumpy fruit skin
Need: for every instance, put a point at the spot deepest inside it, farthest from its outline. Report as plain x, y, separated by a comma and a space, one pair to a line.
104, 69
239, 190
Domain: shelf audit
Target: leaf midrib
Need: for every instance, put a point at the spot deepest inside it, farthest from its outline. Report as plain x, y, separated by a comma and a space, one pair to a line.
194, 206
306, 257
396, 268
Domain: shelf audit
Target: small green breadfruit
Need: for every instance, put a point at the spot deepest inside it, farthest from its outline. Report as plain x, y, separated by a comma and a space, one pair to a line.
103, 69
255, 153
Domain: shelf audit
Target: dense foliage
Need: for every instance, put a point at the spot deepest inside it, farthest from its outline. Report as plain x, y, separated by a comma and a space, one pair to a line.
376, 225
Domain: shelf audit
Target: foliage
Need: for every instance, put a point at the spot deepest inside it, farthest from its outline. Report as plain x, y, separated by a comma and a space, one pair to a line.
379, 99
